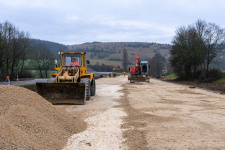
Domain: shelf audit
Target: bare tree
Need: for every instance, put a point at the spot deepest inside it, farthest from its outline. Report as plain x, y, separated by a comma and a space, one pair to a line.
26, 52
12, 48
184, 54
214, 37
43, 60
195, 47
158, 64
125, 59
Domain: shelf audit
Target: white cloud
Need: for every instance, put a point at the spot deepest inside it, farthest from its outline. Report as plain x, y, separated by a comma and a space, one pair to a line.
72, 18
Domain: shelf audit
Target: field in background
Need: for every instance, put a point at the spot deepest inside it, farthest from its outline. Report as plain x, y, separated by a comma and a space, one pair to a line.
171, 76
106, 62
111, 53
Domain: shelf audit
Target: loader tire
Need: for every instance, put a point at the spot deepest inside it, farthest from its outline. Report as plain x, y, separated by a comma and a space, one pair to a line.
51, 80
88, 89
93, 87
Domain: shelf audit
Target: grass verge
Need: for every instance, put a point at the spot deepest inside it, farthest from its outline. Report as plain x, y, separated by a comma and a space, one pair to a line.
26, 85
222, 79
171, 76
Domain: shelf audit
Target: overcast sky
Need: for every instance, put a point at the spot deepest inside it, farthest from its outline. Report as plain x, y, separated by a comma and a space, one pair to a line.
78, 21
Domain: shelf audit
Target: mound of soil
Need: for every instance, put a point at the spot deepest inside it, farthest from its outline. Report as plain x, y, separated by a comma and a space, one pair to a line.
217, 87
28, 121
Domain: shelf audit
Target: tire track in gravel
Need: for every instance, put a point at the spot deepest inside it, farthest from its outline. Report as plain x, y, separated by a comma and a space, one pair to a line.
133, 123
103, 117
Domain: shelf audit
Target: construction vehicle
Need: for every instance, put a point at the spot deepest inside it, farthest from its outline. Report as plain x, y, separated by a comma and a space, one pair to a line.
72, 84
141, 71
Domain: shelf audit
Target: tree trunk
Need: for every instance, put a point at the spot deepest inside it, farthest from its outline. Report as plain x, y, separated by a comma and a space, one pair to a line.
40, 71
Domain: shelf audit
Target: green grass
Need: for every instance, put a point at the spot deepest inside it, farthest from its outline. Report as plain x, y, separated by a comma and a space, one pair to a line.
26, 85
221, 80
106, 62
172, 76
36, 73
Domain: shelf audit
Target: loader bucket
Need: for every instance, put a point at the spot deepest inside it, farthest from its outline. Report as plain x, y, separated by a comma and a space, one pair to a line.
62, 93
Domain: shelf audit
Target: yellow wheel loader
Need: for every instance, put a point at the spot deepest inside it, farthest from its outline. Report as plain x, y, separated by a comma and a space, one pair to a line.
72, 84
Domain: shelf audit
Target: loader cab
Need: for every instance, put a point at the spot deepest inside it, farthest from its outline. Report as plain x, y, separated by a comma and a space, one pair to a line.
71, 60
144, 67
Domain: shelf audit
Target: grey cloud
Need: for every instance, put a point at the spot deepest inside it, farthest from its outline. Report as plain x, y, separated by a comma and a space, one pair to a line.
73, 21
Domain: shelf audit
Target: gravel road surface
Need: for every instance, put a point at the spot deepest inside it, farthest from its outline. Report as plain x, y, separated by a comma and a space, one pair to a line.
139, 116
24, 82
155, 115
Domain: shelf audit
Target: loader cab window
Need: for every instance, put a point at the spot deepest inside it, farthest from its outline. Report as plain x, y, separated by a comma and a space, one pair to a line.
71, 60
144, 66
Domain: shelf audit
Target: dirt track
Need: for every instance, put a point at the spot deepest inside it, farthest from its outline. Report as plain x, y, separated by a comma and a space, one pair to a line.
155, 115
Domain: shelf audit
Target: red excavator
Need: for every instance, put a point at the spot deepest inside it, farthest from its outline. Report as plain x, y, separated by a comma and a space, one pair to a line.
141, 71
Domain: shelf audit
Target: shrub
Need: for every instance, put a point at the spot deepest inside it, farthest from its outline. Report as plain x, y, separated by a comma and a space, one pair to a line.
214, 75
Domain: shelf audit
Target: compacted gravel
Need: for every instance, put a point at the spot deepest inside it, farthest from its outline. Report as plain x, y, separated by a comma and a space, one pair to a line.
136, 116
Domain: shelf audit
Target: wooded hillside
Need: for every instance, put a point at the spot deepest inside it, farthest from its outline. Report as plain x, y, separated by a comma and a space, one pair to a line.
111, 53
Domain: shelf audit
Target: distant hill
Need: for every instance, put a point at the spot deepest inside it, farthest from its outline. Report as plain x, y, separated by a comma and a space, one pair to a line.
52, 46
111, 53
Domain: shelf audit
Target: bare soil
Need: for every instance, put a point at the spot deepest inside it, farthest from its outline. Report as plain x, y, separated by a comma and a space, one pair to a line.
162, 115
157, 115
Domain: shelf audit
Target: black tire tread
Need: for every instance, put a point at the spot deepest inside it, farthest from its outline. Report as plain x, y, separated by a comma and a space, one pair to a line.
93, 87
88, 93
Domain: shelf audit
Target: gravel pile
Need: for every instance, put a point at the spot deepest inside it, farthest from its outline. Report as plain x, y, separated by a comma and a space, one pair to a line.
28, 121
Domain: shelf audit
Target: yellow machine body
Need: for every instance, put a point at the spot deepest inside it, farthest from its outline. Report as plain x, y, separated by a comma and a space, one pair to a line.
72, 84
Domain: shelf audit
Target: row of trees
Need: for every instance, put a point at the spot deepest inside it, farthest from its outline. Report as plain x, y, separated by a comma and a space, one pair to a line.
42, 60
125, 60
14, 49
194, 49
18, 53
